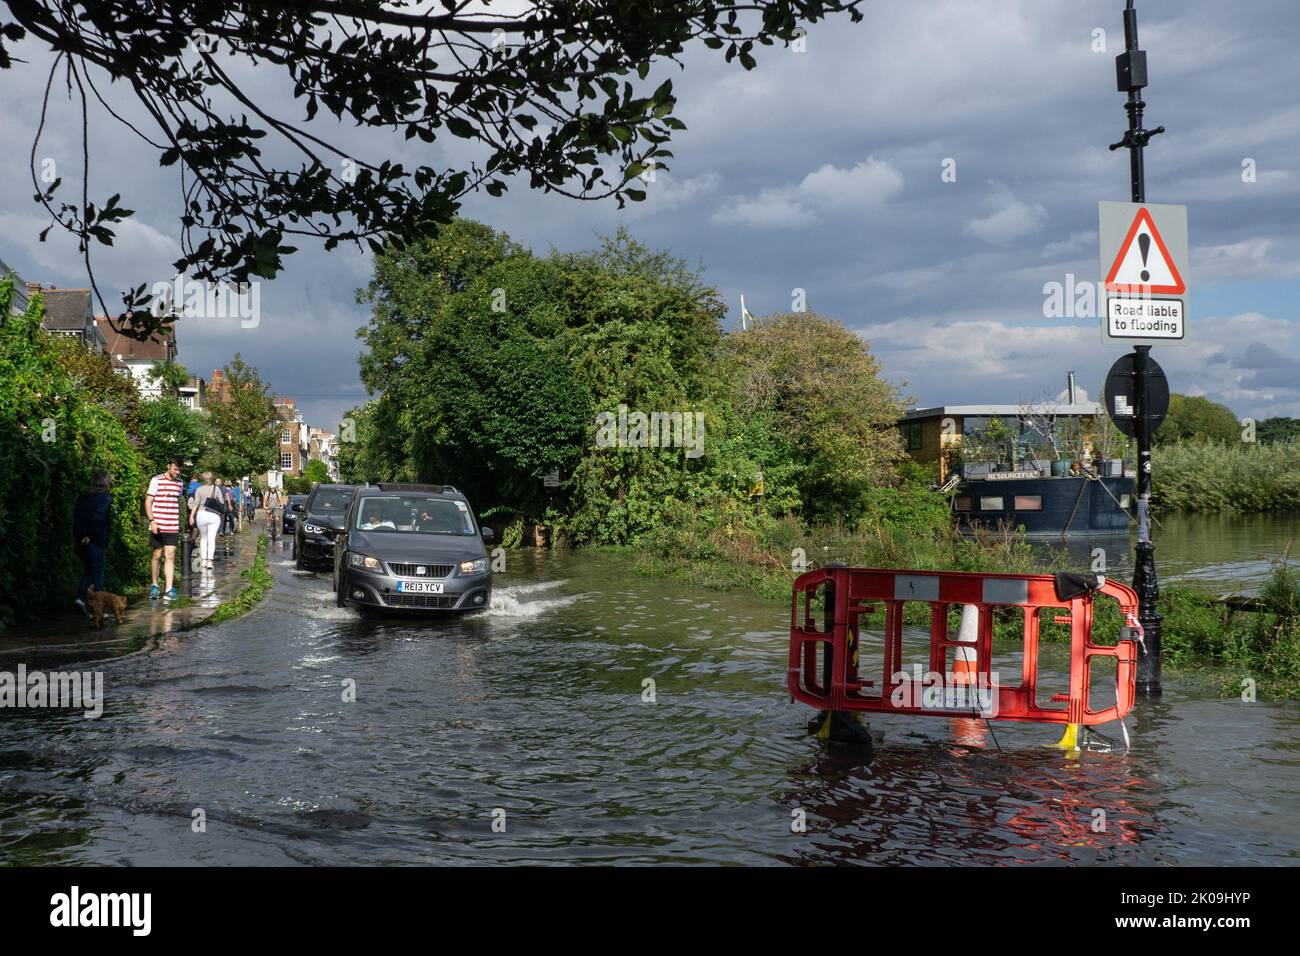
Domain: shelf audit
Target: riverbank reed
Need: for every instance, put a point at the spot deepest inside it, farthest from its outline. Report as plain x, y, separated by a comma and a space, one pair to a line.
1208, 476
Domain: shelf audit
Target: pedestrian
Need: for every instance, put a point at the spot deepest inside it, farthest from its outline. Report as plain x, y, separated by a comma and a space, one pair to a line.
162, 506
221, 496
237, 506
90, 524
206, 513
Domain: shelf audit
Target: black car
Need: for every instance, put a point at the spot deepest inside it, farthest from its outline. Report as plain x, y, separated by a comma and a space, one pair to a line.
412, 548
292, 508
322, 515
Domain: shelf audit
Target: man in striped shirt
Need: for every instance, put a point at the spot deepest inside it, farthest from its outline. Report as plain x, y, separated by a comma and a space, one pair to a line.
162, 506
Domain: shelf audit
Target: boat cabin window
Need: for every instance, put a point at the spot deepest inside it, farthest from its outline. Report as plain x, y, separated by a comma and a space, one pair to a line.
961, 503
911, 436
1029, 502
991, 504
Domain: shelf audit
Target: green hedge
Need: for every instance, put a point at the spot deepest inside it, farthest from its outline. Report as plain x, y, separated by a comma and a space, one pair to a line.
52, 438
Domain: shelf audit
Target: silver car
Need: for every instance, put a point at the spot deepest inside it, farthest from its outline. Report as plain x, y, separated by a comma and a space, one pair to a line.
412, 548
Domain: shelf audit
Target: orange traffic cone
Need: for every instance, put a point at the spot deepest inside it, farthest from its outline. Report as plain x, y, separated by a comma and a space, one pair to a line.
968, 731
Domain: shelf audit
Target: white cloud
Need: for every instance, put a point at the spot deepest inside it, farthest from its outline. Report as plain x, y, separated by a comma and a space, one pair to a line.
869, 183
667, 193
1076, 243
1010, 220
1248, 259
823, 191
771, 209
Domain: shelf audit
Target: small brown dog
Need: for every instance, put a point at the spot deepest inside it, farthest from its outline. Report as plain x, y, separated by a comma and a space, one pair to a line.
104, 602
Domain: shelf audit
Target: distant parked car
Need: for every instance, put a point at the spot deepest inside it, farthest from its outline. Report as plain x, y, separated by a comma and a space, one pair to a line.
413, 548
292, 508
323, 516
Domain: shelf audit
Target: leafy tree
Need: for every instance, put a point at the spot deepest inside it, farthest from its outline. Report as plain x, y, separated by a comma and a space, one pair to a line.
170, 376
375, 452
1278, 431
820, 387
491, 366
556, 91
492, 363
316, 472
245, 427
167, 429
103, 385
1196, 418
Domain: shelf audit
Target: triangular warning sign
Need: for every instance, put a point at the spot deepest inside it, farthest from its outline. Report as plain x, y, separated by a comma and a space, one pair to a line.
1144, 265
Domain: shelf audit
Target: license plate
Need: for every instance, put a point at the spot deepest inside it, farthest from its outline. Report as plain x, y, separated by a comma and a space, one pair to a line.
419, 587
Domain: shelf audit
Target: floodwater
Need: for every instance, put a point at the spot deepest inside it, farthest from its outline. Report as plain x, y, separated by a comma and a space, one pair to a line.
234, 745
1225, 553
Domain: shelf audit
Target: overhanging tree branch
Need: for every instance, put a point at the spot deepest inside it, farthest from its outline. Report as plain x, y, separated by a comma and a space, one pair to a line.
555, 91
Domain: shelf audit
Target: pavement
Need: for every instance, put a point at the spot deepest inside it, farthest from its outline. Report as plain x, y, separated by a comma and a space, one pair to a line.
66, 632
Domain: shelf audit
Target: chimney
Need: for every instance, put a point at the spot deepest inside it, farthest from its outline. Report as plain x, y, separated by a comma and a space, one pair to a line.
1071, 390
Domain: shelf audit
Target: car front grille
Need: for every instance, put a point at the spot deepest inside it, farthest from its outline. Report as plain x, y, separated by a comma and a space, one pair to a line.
420, 600
430, 570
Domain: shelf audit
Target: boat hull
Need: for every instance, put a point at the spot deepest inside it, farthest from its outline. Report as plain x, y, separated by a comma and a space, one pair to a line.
1046, 507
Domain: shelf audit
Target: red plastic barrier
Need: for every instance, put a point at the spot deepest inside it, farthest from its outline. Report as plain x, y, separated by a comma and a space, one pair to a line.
836, 682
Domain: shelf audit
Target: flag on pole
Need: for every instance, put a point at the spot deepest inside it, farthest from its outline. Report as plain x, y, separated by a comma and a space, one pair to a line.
745, 318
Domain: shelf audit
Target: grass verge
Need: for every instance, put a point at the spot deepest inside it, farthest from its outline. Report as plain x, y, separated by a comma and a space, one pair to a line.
259, 582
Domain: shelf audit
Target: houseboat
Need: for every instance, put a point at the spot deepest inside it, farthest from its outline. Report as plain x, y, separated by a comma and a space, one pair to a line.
1043, 467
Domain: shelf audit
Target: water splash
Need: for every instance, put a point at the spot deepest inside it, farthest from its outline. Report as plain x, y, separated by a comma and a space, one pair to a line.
513, 601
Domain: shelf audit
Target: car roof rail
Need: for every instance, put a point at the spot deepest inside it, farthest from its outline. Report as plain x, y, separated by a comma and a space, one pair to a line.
409, 486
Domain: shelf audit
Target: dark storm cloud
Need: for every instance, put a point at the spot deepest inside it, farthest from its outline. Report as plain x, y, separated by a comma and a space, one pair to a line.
1260, 355
820, 174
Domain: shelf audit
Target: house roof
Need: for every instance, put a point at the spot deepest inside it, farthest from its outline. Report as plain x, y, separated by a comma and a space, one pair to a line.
130, 350
66, 309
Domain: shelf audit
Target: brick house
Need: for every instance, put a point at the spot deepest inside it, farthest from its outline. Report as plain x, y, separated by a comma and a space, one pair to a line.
294, 438
68, 313
135, 358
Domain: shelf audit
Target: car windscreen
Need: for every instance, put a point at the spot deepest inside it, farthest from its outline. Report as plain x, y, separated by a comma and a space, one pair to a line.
331, 501
413, 514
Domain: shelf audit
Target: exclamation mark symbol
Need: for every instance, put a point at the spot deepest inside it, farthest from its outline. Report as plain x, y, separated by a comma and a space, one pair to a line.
1144, 247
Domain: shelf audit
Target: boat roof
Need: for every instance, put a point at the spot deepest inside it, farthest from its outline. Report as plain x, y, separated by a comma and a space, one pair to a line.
1049, 408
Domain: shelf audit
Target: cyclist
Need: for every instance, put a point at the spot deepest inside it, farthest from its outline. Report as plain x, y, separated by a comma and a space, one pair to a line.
274, 503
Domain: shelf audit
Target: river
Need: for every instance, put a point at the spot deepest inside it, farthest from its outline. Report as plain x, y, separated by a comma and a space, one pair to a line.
533, 716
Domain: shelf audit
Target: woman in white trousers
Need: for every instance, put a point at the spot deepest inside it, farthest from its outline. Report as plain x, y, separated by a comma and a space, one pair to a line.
207, 520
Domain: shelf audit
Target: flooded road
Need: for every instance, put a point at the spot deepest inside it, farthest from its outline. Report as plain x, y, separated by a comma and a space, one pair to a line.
532, 715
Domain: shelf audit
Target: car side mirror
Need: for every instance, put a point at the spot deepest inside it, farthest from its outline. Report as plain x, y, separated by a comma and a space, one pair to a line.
488, 534
297, 509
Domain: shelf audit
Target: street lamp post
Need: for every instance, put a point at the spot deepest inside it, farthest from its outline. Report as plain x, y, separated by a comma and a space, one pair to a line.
1131, 77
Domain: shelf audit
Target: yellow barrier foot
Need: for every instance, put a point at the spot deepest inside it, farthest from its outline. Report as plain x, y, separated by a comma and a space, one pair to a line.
1069, 740
840, 727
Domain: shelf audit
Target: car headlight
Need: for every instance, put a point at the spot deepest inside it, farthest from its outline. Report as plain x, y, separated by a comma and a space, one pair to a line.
477, 566
312, 528
363, 561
